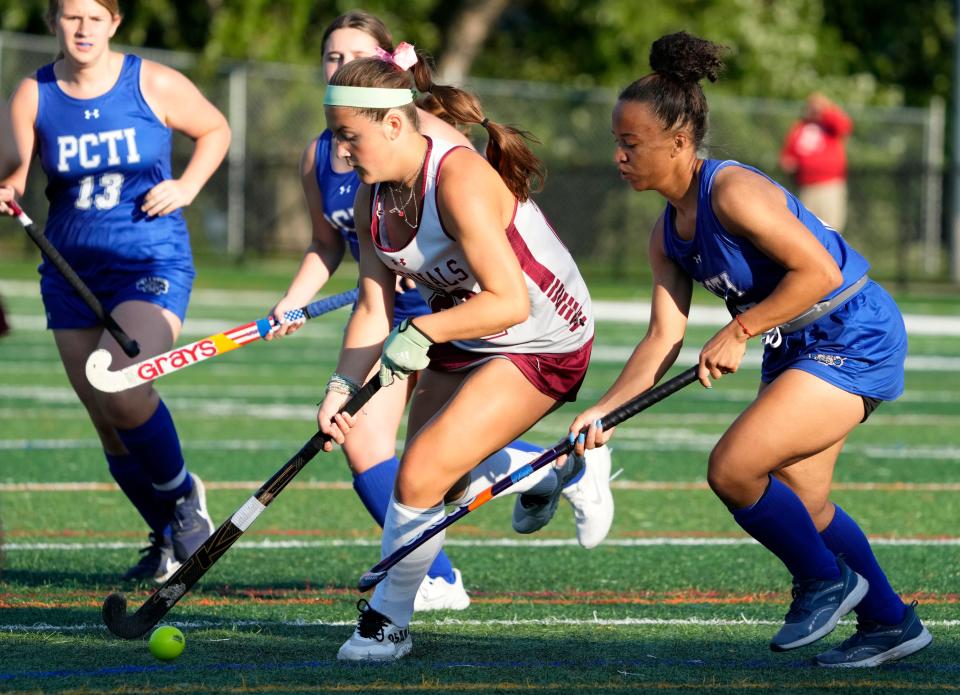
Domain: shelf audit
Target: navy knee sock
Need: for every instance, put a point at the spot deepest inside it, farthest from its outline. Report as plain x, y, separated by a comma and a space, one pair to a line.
783, 525
374, 487
844, 537
156, 447
137, 487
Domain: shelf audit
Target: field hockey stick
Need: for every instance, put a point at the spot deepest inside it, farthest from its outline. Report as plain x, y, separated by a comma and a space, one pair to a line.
378, 572
98, 363
128, 345
163, 599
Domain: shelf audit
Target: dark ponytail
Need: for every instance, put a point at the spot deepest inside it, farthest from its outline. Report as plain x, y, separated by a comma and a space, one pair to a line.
507, 149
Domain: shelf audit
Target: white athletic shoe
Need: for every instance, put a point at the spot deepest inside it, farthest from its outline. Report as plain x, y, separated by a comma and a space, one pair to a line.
591, 498
436, 594
533, 512
375, 638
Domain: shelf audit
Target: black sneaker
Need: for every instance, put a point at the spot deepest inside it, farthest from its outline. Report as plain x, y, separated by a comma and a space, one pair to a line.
818, 605
874, 643
157, 564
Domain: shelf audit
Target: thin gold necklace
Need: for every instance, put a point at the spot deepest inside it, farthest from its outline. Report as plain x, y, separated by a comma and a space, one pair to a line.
400, 205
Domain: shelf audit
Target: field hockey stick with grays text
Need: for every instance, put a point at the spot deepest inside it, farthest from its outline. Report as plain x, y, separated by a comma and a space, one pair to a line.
128, 345
98, 363
163, 599
378, 572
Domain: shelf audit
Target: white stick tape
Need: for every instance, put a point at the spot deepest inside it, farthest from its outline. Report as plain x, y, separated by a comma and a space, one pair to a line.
247, 514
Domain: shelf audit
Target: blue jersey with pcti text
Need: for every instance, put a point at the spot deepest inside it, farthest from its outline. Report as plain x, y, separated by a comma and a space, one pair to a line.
101, 157
733, 268
338, 191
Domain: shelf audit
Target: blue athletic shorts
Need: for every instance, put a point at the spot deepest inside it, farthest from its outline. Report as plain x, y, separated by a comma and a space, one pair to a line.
407, 305
860, 347
165, 285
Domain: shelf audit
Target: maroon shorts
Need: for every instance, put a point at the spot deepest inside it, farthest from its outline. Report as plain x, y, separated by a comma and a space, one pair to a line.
558, 375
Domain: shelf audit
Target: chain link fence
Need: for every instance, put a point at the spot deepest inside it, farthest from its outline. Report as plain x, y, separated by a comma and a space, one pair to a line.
253, 205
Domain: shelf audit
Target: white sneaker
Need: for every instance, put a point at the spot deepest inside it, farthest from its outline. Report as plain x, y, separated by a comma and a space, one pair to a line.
436, 593
533, 512
591, 498
375, 638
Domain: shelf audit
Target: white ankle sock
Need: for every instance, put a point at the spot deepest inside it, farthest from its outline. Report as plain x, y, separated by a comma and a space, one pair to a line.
500, 465
395, 595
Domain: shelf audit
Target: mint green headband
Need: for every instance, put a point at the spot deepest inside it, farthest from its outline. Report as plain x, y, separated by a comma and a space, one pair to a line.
367, 97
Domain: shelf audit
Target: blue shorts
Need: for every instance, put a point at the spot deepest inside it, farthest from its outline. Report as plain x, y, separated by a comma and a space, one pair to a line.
161, 284
860, 347
407, 305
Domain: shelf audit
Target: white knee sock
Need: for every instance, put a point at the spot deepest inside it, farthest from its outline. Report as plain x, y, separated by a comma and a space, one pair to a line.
500, 465
394, 596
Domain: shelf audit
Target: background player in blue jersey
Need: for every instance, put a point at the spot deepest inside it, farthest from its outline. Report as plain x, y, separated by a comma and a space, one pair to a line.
101, 123
834, 340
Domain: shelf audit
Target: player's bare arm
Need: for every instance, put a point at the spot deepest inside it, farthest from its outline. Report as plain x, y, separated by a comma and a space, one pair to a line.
467, 186
180, 105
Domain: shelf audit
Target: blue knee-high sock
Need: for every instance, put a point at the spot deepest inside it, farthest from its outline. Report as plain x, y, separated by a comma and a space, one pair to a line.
156, 447
844, 537
374, 487
783, 525
139, 490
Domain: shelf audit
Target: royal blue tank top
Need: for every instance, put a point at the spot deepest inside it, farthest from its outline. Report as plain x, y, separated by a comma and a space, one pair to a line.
338, 191
101, 157
733, 268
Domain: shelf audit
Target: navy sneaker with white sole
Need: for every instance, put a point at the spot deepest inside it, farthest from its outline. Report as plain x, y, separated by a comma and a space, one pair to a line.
191, 524
818, 605
875, 643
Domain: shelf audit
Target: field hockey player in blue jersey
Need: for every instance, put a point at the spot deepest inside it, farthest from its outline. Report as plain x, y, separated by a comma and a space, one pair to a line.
330, 185
834, 349
101, 124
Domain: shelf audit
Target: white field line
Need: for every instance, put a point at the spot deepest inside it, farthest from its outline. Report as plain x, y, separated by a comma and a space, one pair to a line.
338, 485
652, 542
602, 354
446, 622
631, 312
648, 441
205, 397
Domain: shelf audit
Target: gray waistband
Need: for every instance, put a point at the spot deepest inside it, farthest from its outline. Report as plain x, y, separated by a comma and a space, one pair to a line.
821, 309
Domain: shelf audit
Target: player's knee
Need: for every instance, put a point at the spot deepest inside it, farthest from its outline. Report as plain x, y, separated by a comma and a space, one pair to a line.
362, 454
416, 486
124, 411
731, 480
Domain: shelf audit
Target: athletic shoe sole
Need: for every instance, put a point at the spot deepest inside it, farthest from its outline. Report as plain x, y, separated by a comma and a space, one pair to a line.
899, 652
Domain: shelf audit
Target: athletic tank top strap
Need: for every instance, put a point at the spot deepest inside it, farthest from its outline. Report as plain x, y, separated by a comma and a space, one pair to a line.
337, 191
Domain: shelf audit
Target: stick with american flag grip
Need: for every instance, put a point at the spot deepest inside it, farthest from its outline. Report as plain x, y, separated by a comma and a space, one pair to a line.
127, 344
163, 599
98, 363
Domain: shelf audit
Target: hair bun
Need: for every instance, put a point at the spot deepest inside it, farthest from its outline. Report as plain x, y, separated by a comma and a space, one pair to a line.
686, 58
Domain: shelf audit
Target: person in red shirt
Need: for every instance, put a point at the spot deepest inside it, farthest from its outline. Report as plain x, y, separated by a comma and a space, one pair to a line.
814, 153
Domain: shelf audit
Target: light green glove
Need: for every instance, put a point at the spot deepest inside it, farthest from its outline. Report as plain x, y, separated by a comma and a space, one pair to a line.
404, 352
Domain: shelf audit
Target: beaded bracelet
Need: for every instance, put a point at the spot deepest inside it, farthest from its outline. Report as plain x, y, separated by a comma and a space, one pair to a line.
339, 383
742, 327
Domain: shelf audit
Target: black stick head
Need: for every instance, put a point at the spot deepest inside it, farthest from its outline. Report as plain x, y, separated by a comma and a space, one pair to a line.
370, 580
118, 622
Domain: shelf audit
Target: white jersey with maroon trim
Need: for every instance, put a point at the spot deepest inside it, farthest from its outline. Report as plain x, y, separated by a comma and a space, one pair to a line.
561, 317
